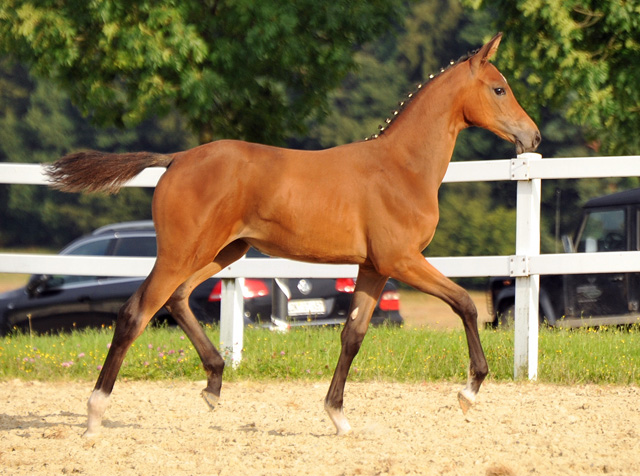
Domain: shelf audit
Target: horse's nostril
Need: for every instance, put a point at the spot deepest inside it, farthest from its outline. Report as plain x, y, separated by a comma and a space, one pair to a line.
537, 139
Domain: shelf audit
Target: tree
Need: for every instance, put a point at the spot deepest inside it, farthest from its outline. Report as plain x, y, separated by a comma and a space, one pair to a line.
391, 66
38, 123
255, 70
578, 57
470, 226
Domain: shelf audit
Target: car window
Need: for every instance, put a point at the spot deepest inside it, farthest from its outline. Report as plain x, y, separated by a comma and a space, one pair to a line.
604, 231
99, 247
136, 246
91, 248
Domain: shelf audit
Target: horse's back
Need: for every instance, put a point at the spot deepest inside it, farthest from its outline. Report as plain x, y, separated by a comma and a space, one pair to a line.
297, 204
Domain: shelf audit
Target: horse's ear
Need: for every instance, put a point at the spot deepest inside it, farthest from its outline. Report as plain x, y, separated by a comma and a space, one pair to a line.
485, 53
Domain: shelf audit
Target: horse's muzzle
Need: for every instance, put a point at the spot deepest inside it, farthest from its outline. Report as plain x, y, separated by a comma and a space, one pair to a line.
528, 144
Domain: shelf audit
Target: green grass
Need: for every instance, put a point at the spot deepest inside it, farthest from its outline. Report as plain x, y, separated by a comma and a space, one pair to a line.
609, 355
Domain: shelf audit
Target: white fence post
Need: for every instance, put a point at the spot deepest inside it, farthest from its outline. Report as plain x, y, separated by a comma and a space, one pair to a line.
527, 285
232, 321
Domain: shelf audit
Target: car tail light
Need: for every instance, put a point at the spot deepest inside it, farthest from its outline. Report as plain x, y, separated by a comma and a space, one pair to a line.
390, 301
252, 288
345, 285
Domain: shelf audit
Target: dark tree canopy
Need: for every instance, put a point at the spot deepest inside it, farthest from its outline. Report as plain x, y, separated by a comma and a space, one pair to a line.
255, 70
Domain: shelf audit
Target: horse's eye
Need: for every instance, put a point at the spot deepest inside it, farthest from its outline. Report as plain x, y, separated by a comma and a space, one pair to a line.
500, 91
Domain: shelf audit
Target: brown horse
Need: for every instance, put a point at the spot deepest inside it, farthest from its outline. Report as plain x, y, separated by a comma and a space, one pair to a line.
372, 203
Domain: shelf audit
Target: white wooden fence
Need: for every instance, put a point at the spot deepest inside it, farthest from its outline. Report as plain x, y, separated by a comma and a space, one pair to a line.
526, 265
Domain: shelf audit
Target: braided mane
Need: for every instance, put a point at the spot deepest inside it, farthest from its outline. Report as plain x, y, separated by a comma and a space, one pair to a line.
411, 96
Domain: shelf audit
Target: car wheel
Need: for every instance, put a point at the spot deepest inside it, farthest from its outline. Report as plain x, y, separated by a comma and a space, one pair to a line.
505, 317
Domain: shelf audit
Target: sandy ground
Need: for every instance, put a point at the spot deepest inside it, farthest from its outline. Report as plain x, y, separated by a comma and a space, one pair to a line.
280, 428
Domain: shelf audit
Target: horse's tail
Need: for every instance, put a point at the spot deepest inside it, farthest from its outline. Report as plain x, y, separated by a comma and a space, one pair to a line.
93, 171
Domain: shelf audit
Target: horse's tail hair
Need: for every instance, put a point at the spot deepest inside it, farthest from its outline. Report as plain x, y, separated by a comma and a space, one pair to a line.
93, 171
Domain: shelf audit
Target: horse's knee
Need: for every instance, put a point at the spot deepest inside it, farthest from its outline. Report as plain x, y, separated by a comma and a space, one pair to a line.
129, 323
465, 307
351, 339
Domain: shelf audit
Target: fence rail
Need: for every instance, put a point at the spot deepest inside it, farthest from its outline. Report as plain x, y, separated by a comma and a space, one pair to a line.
526, 265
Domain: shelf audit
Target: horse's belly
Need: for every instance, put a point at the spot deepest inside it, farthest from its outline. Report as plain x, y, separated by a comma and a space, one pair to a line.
312, 242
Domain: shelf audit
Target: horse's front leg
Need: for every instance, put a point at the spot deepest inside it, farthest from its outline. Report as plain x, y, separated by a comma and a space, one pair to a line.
417, 272
369, 285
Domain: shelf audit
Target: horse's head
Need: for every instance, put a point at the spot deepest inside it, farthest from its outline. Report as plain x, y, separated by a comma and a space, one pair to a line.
490, 103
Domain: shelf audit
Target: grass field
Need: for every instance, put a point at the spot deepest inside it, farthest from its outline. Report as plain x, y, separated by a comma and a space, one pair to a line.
389, 353
430, 346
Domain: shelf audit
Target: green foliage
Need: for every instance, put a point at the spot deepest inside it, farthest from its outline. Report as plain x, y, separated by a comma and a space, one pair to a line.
276, 68
390, 67
607, 355
582, 58
38, 124
362, 100
242, 69
469, 224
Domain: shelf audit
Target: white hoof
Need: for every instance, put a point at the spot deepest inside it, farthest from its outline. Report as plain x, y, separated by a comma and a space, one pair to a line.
211, 399
466, 399
96, 407
89, 433
339, 420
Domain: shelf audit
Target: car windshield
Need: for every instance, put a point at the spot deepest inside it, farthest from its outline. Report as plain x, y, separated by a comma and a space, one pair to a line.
603, 231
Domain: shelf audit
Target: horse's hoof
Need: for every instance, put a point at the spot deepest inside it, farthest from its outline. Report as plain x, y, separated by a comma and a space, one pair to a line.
343, 430
339, 420
465, 400
210, 399
90, 433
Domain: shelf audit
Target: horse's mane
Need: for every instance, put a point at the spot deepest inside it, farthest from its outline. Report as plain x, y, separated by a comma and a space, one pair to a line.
402, 105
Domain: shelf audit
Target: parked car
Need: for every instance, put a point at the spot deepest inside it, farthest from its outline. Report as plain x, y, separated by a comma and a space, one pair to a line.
609, 223
62, 302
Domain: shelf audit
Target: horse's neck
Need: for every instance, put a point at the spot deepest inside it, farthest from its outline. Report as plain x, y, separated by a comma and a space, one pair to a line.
424, 136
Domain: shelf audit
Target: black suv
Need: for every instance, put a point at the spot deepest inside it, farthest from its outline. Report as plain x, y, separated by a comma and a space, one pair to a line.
609, 223
60, 302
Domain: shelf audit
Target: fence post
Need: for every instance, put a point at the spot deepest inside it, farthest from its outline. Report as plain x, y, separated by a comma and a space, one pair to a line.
232, 321
527, 285
280, 295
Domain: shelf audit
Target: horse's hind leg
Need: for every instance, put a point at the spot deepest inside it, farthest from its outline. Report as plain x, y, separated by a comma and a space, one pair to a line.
178, 306
417, 272
369, 285
133, 317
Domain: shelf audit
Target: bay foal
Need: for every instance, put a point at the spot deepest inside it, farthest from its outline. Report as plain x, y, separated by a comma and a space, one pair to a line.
372, 203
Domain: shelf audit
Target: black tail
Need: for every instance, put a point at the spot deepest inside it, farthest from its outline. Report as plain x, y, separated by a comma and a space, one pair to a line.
93, 171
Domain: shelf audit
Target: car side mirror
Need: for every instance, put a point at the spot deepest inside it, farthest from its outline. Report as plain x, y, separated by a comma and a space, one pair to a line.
36, 284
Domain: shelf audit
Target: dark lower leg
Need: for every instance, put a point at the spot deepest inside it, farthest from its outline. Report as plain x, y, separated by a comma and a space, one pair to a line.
178, 306
369, 285
124, 335
212, 361
132, 319
478, 367
418, 273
